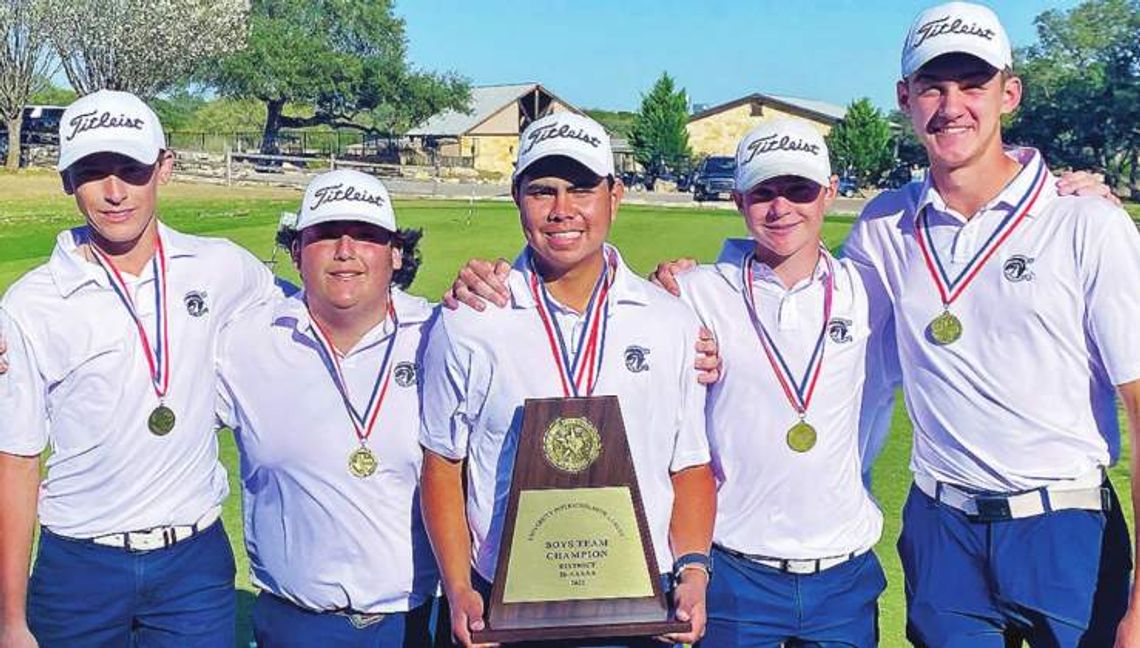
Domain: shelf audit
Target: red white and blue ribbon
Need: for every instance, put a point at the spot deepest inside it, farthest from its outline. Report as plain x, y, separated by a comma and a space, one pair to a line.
950, 289
580, 367
362, 423
158, 354
798, 392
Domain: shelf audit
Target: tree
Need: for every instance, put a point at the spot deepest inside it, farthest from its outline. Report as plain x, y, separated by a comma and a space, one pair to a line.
1081, 103
344, 60
908, 150
142, 46
658, 136
24, 64
861, 144
616, 122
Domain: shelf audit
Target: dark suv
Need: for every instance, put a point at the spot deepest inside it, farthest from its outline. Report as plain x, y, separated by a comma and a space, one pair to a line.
713, 177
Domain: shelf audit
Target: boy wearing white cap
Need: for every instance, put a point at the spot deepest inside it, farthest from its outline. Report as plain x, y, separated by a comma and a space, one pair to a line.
807, 364
797, 333
330, 482
1014, 311
105, 347
580, 323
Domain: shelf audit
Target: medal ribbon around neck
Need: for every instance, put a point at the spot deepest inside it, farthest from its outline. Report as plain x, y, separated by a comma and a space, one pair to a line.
158, 355
798, 393
585, 365
361, 423
949, 290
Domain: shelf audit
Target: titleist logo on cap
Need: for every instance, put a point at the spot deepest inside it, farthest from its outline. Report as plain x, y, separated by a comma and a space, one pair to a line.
941, 26
769, 143
339, 193
559, 131
89, 121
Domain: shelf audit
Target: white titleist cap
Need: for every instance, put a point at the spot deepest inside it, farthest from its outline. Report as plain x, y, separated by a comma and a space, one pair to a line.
570, 134
109, 121
346, 195
781, 147
956, 27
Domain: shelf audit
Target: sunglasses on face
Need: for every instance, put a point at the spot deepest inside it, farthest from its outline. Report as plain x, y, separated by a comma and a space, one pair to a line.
798, 192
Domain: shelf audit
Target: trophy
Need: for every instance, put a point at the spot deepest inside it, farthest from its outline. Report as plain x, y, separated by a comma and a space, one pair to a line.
576, 560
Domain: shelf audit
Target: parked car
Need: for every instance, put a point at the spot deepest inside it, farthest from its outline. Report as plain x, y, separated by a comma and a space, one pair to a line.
713, 178
848, 186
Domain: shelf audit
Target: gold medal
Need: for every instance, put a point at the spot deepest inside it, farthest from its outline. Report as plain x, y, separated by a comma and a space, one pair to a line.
161, 421
362, 463
801, 437
946, 328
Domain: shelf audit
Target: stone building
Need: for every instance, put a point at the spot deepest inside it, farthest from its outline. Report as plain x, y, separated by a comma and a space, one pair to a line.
717, 130
485, 138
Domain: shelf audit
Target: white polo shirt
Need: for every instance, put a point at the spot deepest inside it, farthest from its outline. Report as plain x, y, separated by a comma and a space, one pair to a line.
480, 367
79, 381
316, 534
771, 500
1025, 397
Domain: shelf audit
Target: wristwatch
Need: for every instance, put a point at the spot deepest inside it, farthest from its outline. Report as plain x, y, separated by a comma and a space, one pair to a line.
692, 561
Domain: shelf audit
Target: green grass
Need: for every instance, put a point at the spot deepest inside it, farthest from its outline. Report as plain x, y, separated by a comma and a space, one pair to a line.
32, 210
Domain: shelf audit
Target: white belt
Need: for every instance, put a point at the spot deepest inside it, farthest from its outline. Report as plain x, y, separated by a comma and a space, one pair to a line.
158, 537
992, 507
797, 566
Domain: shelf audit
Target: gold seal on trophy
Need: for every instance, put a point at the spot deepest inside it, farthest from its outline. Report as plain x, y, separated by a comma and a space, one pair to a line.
571, 444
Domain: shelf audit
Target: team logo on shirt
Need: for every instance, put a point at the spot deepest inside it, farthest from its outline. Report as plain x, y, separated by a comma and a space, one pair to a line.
405, 374
635, 358
1016, 268
196, 303
839, 330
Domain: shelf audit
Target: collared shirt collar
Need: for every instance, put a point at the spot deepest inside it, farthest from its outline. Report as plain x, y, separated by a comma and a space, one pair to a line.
626, 288
736, 251
292, 312
1029, 158
71, 270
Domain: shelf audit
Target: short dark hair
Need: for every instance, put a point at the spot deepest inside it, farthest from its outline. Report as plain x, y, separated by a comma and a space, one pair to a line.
407, 239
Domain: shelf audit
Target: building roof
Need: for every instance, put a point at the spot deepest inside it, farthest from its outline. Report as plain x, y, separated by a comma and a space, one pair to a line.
485, 102
821, 110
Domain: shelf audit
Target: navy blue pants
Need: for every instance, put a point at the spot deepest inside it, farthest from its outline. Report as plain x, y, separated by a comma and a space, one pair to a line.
751, 605
1060, 579
84, 595
280, 624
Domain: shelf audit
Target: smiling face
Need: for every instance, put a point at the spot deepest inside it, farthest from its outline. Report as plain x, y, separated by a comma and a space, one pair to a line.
346, 267
784, 215
955, 103
566, 213
118, 196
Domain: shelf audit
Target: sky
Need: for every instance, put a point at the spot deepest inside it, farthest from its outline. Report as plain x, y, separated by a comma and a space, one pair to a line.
606, 54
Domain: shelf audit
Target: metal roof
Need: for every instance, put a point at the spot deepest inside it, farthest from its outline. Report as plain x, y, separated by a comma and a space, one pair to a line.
827, 111
822, 107
485, 101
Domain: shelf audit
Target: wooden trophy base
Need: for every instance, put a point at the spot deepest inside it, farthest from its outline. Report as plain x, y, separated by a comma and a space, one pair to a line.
595, 631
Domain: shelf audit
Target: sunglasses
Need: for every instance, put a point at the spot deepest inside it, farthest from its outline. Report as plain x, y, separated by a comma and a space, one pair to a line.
797, 192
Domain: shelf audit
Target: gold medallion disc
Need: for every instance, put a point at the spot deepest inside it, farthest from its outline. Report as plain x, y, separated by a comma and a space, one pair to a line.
946, 328
161, 421
362, 463
571, 444
801, 437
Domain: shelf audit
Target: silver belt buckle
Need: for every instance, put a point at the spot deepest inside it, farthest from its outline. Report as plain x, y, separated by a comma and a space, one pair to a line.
361, 620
